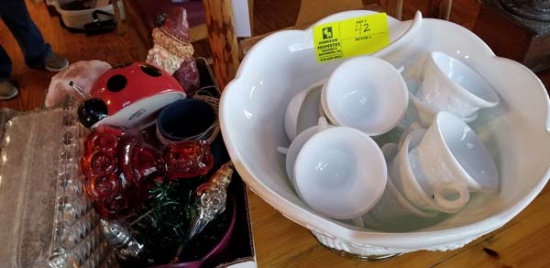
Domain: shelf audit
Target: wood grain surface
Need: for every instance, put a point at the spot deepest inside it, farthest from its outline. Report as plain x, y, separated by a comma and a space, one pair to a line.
111, 47
523, 242
223, 39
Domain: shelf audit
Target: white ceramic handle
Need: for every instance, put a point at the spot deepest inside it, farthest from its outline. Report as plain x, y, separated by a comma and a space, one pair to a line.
358, 222
451, 197
282, 150
322, 123
401, 69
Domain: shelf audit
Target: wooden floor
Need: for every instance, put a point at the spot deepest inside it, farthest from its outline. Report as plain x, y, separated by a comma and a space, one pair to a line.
269, 15
116, 49
110, 47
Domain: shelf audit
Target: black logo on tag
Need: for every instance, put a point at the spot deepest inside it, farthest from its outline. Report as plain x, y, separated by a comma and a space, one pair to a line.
327, 32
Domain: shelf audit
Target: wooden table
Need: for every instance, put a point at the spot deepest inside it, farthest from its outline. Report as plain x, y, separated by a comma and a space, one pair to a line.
523, 242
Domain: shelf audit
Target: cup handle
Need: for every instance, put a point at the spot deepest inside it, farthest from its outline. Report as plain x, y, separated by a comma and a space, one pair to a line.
409, 129
451, 197
358, 222
401, 69
322, 123
282, 150
319, 83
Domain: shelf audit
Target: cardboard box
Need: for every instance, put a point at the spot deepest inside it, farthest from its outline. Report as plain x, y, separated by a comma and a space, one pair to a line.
45, 218
240, 251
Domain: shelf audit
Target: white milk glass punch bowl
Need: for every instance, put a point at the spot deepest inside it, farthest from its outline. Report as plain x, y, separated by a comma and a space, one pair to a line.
515, 132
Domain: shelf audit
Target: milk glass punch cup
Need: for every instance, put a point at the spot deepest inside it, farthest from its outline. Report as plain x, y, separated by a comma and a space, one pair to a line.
303, 111
296, 145
365, 93
394, 210
340, 172
450, 85
446, 196
451, 153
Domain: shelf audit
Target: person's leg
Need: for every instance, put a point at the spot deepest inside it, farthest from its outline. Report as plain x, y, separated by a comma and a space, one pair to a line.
16, 17
7, 89
5, 64
38, 54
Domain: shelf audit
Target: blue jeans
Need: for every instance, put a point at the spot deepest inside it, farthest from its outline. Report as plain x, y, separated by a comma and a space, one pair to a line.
15, 15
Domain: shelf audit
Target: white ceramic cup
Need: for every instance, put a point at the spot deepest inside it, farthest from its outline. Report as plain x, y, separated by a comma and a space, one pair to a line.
296, 145
410, 179
302, 111
365, 93
451, 152
340, 172
393, 206
450, 85
427, 113
294, 149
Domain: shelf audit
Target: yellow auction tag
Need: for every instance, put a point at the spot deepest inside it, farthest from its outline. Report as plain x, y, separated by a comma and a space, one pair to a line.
351, 37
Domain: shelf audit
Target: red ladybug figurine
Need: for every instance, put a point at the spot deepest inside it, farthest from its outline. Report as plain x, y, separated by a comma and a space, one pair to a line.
129, 96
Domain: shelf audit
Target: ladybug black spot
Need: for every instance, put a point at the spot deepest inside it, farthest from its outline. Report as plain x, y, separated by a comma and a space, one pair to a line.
116, 83
92, 111
151, 70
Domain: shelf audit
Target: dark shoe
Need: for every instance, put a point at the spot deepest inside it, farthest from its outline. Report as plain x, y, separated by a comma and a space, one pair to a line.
7, 90
55, 63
